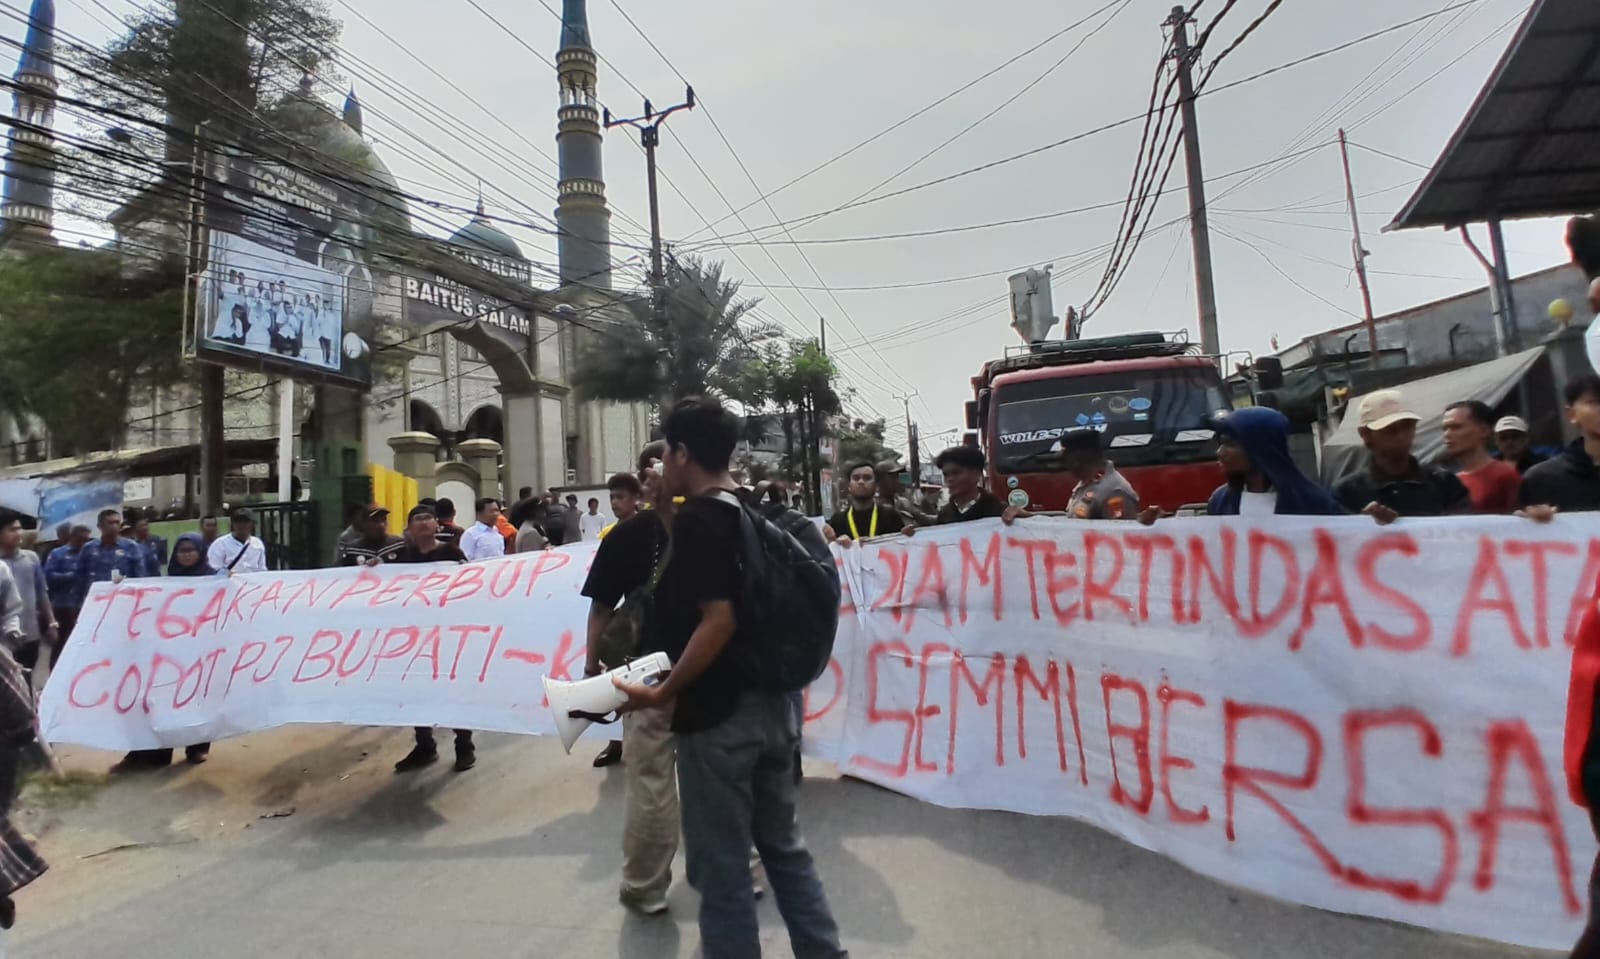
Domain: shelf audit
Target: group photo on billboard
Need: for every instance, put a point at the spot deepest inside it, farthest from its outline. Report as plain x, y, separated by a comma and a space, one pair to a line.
262, 301
287, 285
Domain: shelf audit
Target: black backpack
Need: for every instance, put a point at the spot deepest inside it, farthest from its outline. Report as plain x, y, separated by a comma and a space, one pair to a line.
789, 598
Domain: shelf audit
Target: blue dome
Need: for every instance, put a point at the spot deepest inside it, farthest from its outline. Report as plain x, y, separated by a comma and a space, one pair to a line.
480, 234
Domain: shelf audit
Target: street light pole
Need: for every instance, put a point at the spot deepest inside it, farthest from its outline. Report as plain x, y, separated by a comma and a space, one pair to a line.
649, 127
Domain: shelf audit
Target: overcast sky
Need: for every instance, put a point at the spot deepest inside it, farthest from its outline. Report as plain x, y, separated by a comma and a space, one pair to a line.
794, 84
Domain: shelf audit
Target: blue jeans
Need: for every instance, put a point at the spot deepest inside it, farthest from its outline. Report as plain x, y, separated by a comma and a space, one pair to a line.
736, 783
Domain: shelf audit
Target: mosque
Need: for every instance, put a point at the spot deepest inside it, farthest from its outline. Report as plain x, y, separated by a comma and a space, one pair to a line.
479, 394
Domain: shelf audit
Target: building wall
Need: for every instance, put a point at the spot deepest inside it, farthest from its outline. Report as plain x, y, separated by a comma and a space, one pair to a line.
1423, 334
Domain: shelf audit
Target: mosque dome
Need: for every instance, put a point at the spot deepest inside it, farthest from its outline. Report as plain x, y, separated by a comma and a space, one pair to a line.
318, 127
483, 235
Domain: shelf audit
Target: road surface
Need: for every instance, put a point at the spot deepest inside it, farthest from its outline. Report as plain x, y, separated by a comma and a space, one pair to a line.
302, 844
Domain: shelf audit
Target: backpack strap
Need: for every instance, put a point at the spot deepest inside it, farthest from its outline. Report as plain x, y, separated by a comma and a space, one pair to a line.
663, 557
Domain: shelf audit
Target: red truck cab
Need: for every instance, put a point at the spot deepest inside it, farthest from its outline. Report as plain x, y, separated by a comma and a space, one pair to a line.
1150, 396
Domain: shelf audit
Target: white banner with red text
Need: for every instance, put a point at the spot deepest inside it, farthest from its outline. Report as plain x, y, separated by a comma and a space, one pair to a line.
1358, 718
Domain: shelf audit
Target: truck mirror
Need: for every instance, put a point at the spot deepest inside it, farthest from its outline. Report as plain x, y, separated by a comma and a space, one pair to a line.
972, 414
983, 408
1269, 373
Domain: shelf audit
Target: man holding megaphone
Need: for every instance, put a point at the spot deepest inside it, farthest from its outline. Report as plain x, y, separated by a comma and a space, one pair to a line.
735, 735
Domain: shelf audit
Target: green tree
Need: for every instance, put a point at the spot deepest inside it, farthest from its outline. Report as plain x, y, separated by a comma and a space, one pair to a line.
862, 442
69, 358
704, 343
219, 62
799, 386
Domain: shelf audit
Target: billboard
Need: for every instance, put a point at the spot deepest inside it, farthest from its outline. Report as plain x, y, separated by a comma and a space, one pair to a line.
288, 286
261, 305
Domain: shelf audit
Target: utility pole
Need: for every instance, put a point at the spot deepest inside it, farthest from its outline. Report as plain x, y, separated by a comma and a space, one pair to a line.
213, 434
649, 127
1360, 253
911, 441
1199, 232
822, 322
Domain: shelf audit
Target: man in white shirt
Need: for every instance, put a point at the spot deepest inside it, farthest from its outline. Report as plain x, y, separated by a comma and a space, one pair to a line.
591, 523
483, 540
240, 552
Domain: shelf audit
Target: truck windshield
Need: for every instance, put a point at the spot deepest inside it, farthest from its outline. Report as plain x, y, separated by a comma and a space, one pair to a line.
1149, 417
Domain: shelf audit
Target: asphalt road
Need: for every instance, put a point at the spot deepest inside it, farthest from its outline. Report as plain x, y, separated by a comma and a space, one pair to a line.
302, 844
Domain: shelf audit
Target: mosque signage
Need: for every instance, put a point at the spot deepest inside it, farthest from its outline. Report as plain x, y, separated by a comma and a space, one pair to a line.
435, 300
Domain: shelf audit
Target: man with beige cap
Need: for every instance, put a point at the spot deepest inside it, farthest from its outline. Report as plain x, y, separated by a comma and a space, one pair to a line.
1393, 484
1511, 439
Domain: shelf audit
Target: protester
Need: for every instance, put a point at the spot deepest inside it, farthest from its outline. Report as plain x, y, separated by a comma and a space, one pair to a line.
895, 496
208, 530
534, 534
1570, 482
625, 491
1493, 484
20, 862
155, 546
483, 540
1101, 492
65, 586
518, 513
445, 509
1394, 484
374, 543
621, 574
962, 467
424, 546
735, 743
350, 535
508, 533
188, 559
591, 524
572, 521
38, 622
1262, 478
863, 516
555, 524
110, 559
1511, 442
1582, 759
241, 551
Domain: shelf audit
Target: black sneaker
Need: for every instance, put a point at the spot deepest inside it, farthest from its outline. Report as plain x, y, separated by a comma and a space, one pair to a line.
466, 758
420, 757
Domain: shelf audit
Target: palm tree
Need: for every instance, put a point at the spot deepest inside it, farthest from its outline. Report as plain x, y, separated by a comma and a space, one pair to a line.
704, 343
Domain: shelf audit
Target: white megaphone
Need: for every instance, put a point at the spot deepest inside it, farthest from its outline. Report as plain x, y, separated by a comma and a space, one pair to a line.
579, 704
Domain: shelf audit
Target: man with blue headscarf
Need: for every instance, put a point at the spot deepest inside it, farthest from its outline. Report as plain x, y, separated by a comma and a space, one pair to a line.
1262, 477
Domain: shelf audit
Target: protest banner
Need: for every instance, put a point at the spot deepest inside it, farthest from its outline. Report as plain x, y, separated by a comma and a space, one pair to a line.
1358, 718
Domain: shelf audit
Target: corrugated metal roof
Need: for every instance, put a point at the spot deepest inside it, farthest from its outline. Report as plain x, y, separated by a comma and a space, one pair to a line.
1530, 145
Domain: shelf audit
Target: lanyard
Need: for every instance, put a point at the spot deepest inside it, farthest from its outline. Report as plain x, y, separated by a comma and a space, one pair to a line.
872, 529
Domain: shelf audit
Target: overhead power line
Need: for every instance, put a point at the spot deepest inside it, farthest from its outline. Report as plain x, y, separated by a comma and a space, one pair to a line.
940, 101
1115, 124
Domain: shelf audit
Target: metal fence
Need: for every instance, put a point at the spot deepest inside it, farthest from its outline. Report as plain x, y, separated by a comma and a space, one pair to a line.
289, 531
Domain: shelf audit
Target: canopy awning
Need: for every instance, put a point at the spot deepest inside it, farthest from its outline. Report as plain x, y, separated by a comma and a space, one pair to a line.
1490, 382
1530, 144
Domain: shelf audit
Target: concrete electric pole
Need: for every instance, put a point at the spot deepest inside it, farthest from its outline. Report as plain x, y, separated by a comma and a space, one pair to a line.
1199, 232
1360, 254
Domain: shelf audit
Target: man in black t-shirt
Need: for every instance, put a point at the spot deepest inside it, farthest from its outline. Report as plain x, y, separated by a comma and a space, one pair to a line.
863, 517
962, 467
424, 546
628, 555
735, 742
